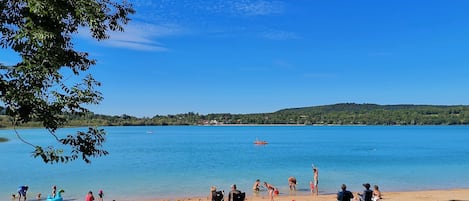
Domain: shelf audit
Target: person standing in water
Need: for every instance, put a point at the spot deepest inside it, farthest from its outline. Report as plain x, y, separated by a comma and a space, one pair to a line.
256, 186
315, 179
292, 183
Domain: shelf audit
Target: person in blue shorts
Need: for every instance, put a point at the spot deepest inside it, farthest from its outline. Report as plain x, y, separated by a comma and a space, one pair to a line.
22, 192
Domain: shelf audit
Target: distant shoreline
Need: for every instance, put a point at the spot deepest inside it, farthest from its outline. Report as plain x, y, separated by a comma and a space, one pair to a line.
347, 114
236, 125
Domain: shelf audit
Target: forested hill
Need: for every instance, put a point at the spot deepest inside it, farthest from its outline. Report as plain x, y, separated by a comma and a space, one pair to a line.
373, 114
353, 107
337, 114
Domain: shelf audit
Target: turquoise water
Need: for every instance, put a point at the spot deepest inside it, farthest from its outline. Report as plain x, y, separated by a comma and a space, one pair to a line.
186, 161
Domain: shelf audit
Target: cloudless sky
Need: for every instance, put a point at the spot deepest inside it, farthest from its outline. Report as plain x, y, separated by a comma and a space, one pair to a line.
252, 56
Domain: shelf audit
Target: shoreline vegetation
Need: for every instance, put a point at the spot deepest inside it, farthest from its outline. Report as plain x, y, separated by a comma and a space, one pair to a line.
337, 114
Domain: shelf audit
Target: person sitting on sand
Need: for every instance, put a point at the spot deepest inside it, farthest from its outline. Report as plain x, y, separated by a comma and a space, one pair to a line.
214, 195
213, 189
376, 193
292, 183
367, 193
344, 195
232, 192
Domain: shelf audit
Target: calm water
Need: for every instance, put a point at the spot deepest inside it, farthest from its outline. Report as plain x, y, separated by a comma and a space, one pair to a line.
186, 161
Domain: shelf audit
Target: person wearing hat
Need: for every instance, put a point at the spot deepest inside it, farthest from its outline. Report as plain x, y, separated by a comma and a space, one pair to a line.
367, 193
344, 195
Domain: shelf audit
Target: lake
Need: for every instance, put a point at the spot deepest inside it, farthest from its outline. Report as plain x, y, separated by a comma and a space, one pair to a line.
182, 161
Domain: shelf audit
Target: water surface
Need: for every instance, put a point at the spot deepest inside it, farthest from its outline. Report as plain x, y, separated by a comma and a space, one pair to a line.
158, 162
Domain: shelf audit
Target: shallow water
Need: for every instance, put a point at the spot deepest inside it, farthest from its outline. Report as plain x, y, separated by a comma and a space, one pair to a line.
187, 160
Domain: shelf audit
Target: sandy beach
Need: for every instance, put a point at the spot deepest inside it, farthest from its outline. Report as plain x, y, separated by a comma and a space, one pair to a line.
433, 195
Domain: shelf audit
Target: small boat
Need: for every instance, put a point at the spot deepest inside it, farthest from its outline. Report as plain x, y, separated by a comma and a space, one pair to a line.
260, 142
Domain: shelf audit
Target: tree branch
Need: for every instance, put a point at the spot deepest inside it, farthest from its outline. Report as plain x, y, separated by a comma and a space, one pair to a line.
18, 134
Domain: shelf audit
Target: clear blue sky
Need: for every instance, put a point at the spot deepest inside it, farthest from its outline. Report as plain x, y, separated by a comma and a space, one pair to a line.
251, 56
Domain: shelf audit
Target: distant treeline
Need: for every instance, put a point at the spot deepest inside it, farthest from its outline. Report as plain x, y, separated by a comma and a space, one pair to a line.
338, 114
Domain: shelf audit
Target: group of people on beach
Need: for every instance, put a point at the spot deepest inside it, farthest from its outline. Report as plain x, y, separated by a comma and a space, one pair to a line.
22, 190
367, 195
313, 185
343, 195
90, 197
272, 191
233, 195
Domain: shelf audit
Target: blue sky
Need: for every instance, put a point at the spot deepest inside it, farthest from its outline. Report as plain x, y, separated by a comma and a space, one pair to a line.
252, 56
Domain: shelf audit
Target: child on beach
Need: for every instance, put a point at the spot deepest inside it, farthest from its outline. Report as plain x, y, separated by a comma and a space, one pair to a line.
256, 186
54, 191
100, 195
292, 183
311, 187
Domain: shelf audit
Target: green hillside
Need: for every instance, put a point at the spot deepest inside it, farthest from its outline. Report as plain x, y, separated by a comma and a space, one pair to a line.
337, 114
372, 114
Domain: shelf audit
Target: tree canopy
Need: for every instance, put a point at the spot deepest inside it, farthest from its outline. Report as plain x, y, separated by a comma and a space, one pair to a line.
37, 87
